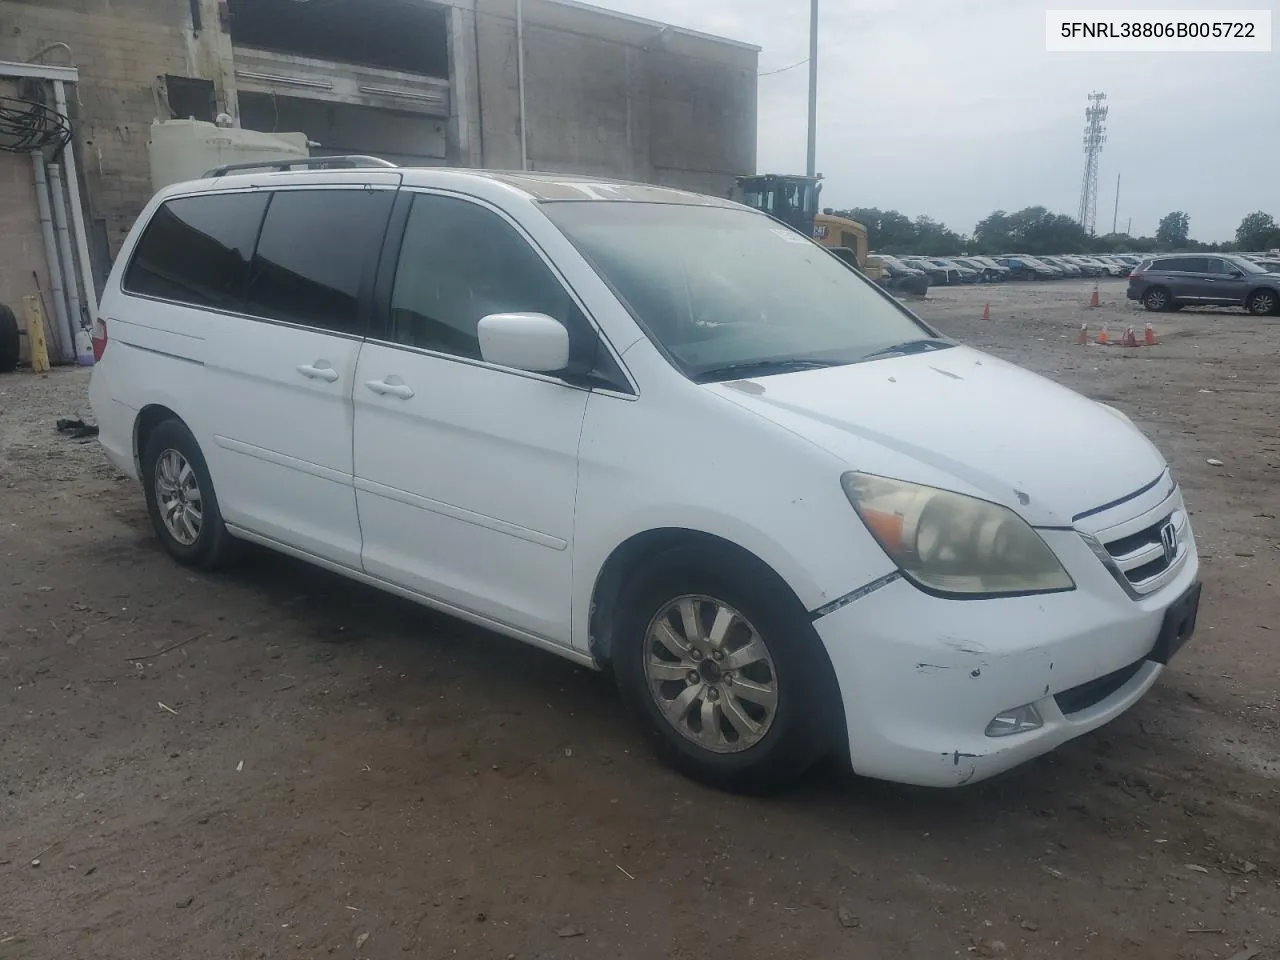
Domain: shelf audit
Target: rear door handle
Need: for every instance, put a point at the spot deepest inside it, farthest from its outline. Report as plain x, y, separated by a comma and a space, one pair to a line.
320, 370
390, 387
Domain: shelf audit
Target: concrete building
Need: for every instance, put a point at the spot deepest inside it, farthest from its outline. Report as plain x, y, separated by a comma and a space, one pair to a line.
413, 81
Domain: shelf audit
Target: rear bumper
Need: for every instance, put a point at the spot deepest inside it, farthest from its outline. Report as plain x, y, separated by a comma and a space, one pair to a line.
115, 423
922, 677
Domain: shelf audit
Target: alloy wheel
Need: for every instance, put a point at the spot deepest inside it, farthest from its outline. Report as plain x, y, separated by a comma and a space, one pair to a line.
178, 497
711, 674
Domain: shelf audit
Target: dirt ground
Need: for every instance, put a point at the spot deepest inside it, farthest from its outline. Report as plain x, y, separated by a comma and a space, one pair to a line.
277, 763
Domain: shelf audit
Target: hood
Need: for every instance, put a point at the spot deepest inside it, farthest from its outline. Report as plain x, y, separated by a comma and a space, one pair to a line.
964, 421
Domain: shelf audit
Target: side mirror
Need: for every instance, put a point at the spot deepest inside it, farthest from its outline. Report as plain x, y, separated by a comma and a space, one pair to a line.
533, 342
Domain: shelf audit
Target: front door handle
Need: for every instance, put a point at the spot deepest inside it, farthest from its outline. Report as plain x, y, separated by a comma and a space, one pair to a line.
320, 370
390, 387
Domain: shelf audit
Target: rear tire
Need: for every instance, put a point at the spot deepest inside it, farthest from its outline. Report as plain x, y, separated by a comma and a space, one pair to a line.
1157, 300
742, 706
181, 499
1263, 303
9, 347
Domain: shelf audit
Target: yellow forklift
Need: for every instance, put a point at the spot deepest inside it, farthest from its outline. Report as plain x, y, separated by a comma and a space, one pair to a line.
793, 200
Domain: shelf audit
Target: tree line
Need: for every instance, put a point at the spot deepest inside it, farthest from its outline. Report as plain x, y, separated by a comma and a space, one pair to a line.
1035, 230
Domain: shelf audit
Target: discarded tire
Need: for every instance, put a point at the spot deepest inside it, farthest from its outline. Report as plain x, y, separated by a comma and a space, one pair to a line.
8, 340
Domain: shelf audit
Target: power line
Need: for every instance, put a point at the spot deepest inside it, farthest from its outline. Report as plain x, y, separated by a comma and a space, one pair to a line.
770, 73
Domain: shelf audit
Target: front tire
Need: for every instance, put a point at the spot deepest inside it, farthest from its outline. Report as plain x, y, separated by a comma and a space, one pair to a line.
181, 500
1157, 300
723, 670
1262, 303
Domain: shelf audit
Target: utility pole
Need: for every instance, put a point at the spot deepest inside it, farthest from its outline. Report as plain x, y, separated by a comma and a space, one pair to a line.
1116, 214
811, 167
524, 134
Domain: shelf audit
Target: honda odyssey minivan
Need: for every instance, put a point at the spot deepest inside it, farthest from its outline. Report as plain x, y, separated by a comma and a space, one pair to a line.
653, 432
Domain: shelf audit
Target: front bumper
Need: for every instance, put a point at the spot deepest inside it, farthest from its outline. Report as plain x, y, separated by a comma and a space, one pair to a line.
922, 677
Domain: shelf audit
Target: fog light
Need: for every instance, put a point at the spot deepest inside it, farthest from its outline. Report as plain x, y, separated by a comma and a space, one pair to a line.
1021, 719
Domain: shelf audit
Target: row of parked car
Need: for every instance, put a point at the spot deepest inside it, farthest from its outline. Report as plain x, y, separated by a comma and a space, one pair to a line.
917, 274
913, 272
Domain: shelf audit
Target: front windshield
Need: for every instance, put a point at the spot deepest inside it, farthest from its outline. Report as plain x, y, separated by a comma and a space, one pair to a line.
718, 287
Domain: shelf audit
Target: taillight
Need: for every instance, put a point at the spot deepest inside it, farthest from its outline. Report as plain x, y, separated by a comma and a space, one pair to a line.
99, 337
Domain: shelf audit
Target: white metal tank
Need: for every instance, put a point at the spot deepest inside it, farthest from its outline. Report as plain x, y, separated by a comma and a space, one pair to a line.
187, 149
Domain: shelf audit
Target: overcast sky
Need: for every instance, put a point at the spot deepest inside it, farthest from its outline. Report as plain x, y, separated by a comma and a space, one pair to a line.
953, 108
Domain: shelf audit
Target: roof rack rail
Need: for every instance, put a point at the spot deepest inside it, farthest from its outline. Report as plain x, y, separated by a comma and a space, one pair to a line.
308, 163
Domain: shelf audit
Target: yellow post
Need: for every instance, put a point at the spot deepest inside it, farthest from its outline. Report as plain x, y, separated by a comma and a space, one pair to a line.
35, 335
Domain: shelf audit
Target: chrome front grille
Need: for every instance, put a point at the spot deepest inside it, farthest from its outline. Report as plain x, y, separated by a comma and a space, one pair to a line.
1144, 556
1145, 551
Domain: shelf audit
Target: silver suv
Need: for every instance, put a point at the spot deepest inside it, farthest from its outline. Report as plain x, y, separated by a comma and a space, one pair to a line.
1171, 283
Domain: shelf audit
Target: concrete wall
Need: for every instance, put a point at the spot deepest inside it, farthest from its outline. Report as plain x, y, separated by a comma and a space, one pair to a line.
341, 128
120, 48
605, 95
21, 242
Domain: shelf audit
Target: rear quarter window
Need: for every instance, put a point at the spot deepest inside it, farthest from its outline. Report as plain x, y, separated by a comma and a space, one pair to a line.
196, 250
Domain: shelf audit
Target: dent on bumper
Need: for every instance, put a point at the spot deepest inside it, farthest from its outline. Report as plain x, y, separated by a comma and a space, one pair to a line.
921, 678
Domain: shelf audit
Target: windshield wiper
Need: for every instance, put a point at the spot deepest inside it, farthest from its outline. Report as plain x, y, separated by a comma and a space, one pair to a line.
744, 368
908, 347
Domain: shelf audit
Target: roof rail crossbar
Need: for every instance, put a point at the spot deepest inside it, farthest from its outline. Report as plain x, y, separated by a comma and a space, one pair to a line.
307, 163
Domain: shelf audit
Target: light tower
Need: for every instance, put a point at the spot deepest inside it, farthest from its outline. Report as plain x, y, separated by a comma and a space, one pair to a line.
1095, 135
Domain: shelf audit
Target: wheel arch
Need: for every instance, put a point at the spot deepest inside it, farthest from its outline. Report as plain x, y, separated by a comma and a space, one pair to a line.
646, 547
148, 418
643, 548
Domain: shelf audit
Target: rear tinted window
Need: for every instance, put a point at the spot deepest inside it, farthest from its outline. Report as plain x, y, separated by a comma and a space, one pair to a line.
1182, 264
313, 255
196, 250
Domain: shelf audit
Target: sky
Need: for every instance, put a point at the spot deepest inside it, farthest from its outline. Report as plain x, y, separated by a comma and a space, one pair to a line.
953, 109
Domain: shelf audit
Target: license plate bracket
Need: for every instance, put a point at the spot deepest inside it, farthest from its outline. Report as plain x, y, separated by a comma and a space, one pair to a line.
1178, 626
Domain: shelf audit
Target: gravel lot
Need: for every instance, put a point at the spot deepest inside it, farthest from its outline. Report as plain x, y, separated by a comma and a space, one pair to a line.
277, 763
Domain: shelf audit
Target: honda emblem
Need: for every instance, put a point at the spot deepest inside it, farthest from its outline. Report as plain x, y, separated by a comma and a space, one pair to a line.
1169, 540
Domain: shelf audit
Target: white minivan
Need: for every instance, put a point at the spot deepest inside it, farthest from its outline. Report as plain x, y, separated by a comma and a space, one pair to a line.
651, 431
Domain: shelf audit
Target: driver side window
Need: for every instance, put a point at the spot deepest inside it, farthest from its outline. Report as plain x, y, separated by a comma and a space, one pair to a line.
460, 262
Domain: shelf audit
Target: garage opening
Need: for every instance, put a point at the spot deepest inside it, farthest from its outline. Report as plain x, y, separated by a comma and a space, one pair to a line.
406, 35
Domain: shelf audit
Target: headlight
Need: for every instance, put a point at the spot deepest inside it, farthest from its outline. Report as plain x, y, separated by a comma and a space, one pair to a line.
952, 544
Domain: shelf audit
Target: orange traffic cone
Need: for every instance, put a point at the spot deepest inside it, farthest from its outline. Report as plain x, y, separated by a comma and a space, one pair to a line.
1149, 338
986, 311
1129, 339
1103, 338
1093, 300
1083, 338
